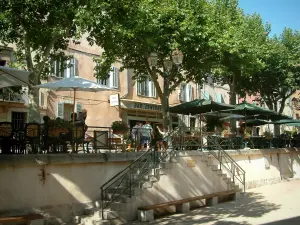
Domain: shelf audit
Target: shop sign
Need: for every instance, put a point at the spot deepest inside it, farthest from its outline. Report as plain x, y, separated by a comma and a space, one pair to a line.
114, 100
138, 105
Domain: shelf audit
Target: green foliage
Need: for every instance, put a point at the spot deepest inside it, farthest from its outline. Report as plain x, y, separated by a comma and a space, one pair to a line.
280, 77
40, 30
237, 39
152, 26
119, 126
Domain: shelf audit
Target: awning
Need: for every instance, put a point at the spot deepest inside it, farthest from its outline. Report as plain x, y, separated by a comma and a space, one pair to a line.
13, 77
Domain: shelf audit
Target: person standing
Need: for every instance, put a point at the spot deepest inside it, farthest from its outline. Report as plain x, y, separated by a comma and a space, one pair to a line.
147, 133
136, 135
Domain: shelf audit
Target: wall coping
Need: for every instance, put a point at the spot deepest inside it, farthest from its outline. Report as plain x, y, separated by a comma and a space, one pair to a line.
63, 159
55, 159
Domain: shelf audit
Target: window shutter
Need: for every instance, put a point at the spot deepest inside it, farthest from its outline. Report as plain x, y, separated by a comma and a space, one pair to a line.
78, 108
199, 91
190, 93
139, 87
219, 98
66, 71
152, 89
60, 110
206, 95
76, 63
182, 92
114, 75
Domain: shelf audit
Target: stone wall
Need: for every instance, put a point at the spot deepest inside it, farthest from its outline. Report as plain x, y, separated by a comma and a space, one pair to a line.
63, 185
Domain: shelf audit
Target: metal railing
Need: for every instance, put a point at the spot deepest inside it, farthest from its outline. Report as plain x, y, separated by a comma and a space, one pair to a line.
214, 143
227, 162
124, 182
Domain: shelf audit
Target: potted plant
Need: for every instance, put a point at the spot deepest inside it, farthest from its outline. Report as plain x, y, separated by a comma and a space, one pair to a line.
268, 135
119, 127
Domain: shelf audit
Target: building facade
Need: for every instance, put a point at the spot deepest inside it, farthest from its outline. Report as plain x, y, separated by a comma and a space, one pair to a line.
125, 100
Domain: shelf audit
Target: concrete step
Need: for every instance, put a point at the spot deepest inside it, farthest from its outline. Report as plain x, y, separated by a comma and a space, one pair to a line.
204, 158
107, 214
226, 179
121, 198
115, 206
214, 167
146, 185
92, 220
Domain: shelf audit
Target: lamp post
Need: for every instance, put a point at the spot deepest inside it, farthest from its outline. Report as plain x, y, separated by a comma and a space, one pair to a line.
176, 58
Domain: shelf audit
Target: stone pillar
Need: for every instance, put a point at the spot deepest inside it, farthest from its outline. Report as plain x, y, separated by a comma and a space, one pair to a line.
236, 196
212, 201
145, 215
183, 208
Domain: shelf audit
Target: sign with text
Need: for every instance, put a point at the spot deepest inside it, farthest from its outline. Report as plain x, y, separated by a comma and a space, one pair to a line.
139, 105
191, 163
114, 100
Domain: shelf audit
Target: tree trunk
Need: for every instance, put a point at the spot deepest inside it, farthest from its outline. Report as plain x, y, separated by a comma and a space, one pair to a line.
232, 99
165, 105
34, 96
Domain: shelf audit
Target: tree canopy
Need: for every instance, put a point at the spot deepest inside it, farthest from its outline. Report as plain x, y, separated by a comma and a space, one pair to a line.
238, 40
280, 76
155, 26
40, 30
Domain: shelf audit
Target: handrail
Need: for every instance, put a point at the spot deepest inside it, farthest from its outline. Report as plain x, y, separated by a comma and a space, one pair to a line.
120, 178
125, 168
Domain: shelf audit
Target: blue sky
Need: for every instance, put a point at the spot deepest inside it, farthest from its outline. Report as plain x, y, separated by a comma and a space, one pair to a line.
279, 13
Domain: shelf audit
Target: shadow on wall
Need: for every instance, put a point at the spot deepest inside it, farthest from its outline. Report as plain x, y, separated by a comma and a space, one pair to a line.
64, 193
186, 182
253, 206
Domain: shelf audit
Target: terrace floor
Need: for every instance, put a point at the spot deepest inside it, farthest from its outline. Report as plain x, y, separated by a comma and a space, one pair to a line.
276, 204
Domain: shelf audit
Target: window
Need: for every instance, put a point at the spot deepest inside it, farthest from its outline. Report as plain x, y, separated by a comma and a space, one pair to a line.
70, 71
219, 98
297, 116
64, 110
18, 120
42, 99
146, 88
186, 93
113, 80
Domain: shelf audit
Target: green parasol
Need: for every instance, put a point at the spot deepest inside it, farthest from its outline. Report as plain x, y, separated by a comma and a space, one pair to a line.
199, 106
286, 121
248, 109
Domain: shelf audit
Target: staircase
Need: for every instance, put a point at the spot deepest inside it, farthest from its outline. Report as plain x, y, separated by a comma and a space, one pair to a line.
120, 193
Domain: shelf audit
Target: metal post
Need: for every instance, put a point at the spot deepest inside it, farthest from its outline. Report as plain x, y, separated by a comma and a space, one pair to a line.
233, 171
130, 182
102, 202
244, 181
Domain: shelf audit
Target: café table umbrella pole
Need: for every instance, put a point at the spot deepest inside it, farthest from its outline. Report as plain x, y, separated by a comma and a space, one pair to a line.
74, 105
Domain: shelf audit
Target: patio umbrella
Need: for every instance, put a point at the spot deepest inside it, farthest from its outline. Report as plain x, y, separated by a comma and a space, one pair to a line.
273, 117
293, 124
232, 116
286, 121
75, 84
248, 109
199, 106
255, 122
13, 77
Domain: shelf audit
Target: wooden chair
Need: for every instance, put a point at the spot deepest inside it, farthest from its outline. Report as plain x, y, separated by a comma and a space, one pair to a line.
32, 131
6, 134
77, 135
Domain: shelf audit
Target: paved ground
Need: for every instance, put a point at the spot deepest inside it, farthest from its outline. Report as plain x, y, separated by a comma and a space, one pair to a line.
276, 204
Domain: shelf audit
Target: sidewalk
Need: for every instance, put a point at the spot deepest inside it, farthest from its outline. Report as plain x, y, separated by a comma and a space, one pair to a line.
276, 204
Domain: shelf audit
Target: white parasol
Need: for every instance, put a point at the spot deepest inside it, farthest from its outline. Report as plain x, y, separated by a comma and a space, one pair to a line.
75, 84
13, 77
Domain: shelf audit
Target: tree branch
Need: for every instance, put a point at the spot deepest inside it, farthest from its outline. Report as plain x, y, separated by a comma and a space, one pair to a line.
154, 80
